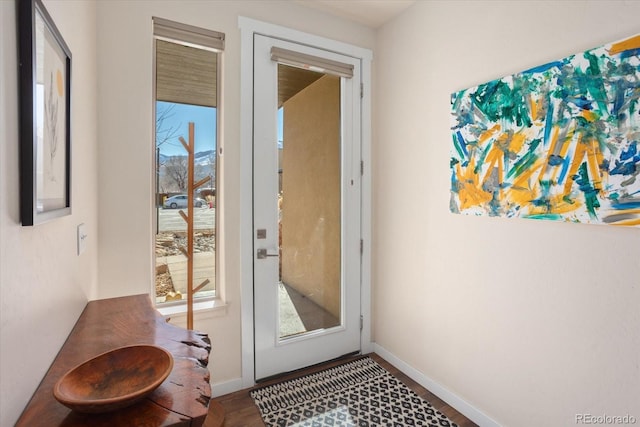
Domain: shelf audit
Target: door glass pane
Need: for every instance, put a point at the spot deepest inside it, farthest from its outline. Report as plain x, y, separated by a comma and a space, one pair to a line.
309, 201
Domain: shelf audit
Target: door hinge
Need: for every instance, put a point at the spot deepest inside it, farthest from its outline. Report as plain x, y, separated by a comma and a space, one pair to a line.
361, 322
361, 167
361, 246
361, 90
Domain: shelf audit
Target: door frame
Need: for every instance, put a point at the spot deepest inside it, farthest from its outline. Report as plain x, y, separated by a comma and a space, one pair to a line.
249, 27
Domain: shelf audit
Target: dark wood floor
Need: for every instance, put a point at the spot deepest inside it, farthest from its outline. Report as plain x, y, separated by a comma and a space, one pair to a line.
241, 412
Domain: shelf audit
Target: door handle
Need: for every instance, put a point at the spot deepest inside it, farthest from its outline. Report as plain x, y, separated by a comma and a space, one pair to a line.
262, 254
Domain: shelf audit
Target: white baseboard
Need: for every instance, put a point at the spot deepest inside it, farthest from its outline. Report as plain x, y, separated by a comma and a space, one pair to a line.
220, 389
461, 405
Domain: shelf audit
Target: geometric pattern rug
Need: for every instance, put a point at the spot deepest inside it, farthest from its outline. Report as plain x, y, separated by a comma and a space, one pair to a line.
356, 394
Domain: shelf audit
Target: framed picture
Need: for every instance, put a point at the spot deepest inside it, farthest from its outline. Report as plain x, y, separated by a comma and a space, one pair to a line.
45, 95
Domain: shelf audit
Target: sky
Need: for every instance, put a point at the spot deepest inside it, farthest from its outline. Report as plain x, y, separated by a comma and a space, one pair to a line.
178, 117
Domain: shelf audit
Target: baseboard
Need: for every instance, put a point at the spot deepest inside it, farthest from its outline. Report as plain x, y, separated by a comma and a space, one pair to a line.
461, 405
220, 389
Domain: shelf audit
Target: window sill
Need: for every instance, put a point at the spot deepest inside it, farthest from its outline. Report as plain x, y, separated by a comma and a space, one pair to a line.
209, 305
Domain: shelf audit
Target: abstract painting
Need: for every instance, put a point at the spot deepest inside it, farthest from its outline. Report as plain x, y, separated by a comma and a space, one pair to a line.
559, 141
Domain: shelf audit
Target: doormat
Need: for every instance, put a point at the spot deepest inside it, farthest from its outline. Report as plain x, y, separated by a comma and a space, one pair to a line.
360, 394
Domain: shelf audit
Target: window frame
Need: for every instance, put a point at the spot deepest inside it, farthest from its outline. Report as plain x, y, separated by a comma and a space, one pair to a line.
213, 41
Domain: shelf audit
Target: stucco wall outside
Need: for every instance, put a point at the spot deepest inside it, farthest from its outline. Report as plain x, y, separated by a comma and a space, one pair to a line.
311, 193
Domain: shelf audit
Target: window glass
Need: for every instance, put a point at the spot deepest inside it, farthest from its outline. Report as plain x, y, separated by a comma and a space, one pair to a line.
186, 113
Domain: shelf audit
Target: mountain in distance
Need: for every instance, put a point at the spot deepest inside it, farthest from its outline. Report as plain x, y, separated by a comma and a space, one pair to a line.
202, 158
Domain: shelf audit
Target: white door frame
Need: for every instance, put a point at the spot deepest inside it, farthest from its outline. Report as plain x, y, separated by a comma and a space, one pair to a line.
248, 27
274, 354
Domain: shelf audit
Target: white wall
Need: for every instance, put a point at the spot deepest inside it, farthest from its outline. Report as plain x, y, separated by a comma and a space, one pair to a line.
44, 285
531, 322
125, 153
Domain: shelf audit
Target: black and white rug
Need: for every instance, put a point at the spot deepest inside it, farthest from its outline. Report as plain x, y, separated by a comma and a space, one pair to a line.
360, 394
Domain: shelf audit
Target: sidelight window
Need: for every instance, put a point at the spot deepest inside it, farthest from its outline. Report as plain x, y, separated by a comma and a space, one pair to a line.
186, 157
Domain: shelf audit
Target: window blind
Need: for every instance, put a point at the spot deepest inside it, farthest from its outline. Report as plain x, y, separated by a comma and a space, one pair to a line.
310, 62
187, 33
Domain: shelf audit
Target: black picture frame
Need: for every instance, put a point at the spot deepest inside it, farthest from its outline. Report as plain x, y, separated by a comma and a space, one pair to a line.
45, 116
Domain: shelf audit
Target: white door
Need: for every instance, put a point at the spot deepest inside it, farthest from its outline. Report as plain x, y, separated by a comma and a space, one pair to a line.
307, 201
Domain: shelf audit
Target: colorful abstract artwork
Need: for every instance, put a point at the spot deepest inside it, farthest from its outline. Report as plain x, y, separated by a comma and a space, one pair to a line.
558, 142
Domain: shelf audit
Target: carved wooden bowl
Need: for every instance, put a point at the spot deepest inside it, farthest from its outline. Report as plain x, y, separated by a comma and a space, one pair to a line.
115, 379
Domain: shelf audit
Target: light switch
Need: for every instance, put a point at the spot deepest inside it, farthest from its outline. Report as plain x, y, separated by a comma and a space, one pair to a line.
82, 239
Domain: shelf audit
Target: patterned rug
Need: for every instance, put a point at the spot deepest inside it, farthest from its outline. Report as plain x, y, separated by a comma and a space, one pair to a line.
360, 394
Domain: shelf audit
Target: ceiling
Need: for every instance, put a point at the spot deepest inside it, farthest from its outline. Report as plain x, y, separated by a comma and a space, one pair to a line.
372, 13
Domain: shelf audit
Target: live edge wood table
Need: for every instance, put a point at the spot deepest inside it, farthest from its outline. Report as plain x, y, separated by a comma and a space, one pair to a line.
181, 400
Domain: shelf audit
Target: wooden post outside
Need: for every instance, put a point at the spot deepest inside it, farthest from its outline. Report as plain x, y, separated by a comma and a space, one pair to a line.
190, 202
189, 219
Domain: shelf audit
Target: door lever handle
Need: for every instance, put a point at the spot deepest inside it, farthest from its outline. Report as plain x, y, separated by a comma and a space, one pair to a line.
262, 254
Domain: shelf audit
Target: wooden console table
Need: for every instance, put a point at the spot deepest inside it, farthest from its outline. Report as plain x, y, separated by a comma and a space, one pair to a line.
181, 400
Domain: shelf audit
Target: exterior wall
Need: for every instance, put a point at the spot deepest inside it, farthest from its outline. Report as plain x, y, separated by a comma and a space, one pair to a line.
531, 322
311, 188
44, 283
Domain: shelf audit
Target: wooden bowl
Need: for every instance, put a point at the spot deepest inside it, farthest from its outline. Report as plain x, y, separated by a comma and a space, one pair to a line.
115, 379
